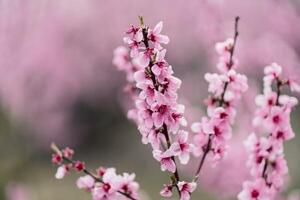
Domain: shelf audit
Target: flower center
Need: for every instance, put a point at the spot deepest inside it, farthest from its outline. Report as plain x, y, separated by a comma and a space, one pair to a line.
254, 194
276, 119
106, 187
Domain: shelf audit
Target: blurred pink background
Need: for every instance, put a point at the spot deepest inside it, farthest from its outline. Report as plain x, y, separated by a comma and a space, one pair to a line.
57, 81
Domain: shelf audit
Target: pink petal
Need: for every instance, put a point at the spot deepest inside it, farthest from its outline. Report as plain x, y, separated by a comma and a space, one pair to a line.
168, 164
182, 136
156, 70
157, 29
163, 39
61, 172
158, 120
184, 157
185, 195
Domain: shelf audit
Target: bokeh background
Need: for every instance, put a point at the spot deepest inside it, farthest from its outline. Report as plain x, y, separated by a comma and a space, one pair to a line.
57, 83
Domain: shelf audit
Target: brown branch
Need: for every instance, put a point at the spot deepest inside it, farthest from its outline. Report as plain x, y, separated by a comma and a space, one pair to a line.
206, 151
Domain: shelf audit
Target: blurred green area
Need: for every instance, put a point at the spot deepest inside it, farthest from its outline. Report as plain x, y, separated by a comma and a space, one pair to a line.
109, 140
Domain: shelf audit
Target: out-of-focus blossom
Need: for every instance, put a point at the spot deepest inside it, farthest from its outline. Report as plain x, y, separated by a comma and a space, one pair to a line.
85, 182
16, 191
56, 53
214, 131
266, 161
166, 191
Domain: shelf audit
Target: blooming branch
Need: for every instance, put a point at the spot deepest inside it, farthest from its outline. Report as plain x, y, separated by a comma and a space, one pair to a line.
104, 184
266, 160
160, 120
157, 113
213, 132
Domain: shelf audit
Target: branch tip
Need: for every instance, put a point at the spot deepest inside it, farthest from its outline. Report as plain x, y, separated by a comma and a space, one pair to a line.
55, 148
141, 18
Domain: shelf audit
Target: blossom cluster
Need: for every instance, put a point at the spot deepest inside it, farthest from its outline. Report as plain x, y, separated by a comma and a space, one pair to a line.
214, 130
157, 114
160, 121
266, 160
103, 184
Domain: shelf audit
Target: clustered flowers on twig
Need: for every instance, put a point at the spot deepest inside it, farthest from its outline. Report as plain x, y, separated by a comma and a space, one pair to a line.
104, 183
157, 113
160, 121
266, 151
213, 132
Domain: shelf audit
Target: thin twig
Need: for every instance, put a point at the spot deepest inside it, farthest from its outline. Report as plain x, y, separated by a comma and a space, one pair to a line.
86, 171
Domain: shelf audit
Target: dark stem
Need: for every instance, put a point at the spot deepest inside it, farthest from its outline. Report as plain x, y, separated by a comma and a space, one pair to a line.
236, 34
264, 173
206, 151
235, 37
278, 88
169, 145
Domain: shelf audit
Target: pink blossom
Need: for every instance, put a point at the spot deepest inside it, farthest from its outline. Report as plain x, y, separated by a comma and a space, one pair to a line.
135, 33
106, 184
108, 189
186, 189
279, 168
155, 137
273, 70
238, 82
144, 57
79, 166
214, 131
216, 83
294, 86
254, 191
226, 62
165, 159
176, 118
278, 117
224, 47
181, 147
85, 182
68, 153
128, 185
268, 100
135, 37
145, 113
157, 38
161, 113
141, 77
123, 62
266, 160
61, 172
160, 63
148, 92
56, 158
166, 191
121, 58
287, 101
